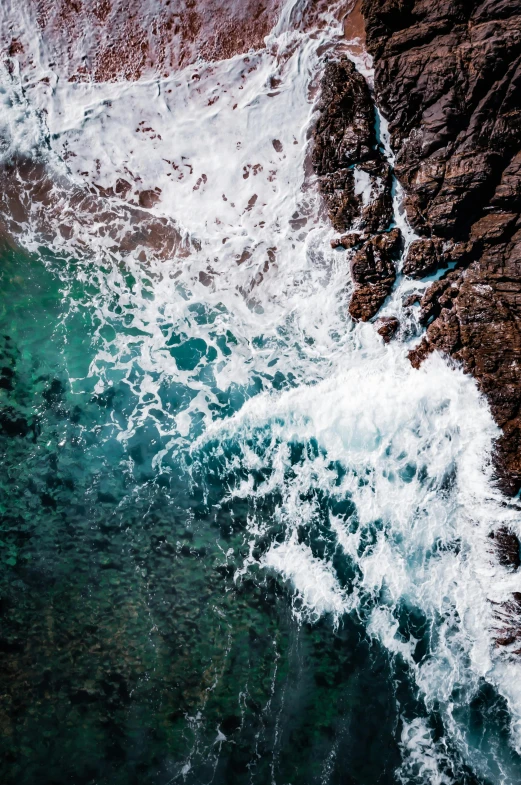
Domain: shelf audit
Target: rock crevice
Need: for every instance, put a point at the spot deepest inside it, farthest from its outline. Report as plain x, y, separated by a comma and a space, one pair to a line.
355, 181
448, 79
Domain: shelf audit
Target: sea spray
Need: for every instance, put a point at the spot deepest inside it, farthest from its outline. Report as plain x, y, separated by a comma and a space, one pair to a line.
329, 465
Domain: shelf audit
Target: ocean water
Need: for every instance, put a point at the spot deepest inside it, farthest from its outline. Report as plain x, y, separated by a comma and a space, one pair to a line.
242, 540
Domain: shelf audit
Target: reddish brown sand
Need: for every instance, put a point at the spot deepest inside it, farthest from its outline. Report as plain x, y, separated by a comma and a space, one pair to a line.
354, 24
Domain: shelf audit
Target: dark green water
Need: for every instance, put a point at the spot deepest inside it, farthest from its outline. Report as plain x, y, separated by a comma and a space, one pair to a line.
131, 651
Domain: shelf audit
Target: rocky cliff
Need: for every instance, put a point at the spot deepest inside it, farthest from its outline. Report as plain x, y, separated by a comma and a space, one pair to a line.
448, 79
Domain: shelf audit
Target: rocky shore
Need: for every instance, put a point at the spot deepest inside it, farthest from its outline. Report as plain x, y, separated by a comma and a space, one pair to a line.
355, 181
448, 80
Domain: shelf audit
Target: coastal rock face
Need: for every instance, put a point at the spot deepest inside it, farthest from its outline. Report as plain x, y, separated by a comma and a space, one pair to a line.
424, 257
448, 79
373, 269
354, 177
507, 548
355, 181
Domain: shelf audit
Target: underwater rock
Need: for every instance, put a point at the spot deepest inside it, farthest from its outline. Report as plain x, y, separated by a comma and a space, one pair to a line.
148, 199
12, 423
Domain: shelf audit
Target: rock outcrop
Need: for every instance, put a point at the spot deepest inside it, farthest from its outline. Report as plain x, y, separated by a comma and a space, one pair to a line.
373, 269
353, 175
448, 79
388, 326
507, 547
424, 257
355, 181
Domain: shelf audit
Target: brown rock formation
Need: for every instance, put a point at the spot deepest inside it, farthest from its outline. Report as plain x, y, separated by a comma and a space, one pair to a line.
348, 240
373, 269
424, 257
355, 181
448, 78
346, 148
388, 327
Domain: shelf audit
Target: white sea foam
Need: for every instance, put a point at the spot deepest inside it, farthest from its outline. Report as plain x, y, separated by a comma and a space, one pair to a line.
229, 154
315, 582
415, 445
423, 759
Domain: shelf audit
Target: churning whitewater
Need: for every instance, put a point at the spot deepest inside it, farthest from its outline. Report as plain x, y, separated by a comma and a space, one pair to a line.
209, 270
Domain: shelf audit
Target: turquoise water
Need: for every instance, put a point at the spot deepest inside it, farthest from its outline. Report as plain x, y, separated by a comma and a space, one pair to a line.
127, 646
135, 647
